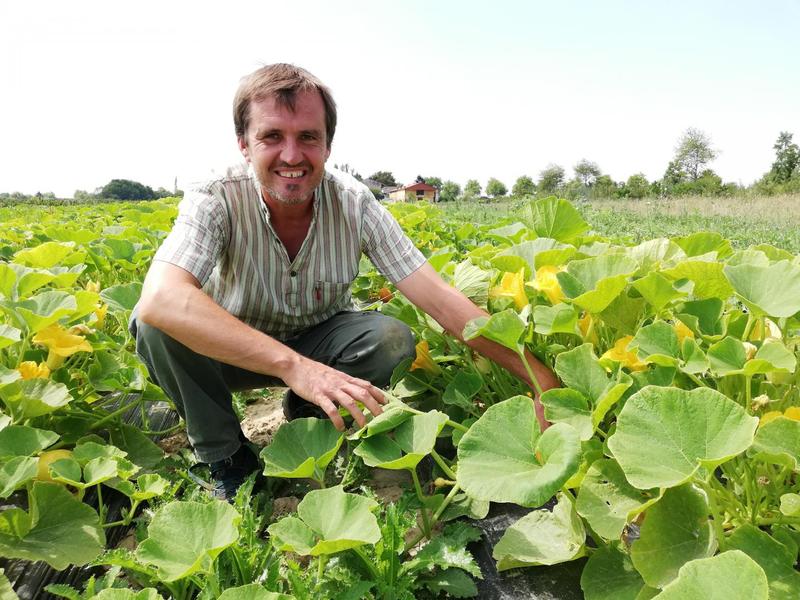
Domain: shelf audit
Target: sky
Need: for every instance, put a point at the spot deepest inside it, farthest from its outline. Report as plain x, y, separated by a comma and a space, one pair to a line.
93, 91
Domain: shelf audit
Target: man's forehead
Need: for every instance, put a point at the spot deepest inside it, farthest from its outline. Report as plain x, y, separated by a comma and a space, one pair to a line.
306, 106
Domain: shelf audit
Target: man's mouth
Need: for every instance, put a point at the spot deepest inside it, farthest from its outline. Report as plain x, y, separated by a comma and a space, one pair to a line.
291, 174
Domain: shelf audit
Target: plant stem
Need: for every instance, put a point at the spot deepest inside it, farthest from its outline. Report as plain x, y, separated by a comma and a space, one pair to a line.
113, 415
716, 516
750, 322
425, 522
443, 465
528, 369
370, 567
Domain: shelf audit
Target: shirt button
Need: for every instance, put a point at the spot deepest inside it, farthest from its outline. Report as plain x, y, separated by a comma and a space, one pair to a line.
293, 273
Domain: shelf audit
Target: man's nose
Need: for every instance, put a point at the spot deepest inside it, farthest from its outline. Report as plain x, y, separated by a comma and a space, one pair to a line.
291, 153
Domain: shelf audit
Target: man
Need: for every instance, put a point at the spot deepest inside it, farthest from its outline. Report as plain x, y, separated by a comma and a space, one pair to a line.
251, 287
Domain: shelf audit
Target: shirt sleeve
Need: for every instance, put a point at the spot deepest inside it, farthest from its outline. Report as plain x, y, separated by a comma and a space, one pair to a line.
385, 243
199, 235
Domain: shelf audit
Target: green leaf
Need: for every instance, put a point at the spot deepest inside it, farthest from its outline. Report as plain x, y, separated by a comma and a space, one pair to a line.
772, 290
252, 591
6, 591
608, 502
703, 242
556, 218
564, 405
538, 253
708, 278
63, 530
20, 440
31, 398
676, 530
657, 290
462, 388
45, 309
185, 537
137, 447
609, 575
651, 254
8, 335
15, 473
778, 441
772, 556
338, 521
447, 550
657, 343
394, 413
302, 448
601, 279
561, 318
504, 457
702, 316
723, 577
453, 582
472, 281
664, 435
126, 594
45, 255
580, 370
413, 439
694, 359
542, 538
504, 327
122, 297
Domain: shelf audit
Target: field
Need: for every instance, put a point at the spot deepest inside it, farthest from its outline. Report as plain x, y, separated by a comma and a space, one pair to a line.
669, 470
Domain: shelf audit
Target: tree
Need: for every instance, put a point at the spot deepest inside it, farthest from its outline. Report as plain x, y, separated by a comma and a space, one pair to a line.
419, 179
449, 192
550, 179
637, 186
495, 188
125, 189
523, 186
434, 181
694, 152
604, 187
586, 172
787, 158
472, 189
385, 178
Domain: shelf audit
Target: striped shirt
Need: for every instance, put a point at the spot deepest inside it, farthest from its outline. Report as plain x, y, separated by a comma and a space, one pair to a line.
223, 236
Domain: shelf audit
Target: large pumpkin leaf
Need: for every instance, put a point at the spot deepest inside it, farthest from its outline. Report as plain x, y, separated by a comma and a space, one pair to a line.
708, 279
45, 309
127, 594
542, 538
556, 218
778, 441
185, 537
657, 290
540, 252
561, 318
504, 327
505, 458
594, 283
728, 576
8, 335
59, 529
609, 575
675, 531
665, 434
45, 255
122, 297
412, 440
302, 448
17, 472
772, 290
21, 440
30, 398
608, 502
657, 343
565, 405
776, 559
330, 520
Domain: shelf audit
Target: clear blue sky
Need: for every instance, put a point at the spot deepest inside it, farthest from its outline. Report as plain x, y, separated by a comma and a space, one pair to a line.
142, 90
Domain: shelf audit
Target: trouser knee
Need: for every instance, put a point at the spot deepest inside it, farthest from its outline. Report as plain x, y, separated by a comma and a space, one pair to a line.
376, 354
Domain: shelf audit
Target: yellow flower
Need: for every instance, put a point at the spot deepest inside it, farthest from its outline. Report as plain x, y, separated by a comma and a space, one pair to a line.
749, 350
100, 313
547, 282
586, 326
682, 331
769, 416
93, 286
628, 358
772, 330
60, 344
512, 285
424, 361
30, 370
793, 412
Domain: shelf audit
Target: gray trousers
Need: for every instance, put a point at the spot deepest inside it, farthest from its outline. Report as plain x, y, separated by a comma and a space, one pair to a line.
367, 345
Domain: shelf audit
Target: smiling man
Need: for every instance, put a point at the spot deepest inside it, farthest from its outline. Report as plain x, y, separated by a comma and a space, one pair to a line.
252, 286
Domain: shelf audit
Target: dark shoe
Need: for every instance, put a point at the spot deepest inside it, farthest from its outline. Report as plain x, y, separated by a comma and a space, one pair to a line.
294, 407
229, 474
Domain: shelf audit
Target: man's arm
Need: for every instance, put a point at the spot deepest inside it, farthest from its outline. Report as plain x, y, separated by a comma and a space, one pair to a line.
452, 310
172, 300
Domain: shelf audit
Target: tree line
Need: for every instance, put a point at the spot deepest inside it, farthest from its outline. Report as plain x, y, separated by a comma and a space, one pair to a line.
116, 189
686, 174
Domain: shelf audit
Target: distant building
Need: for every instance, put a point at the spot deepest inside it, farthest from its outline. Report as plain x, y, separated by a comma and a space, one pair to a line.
413, 192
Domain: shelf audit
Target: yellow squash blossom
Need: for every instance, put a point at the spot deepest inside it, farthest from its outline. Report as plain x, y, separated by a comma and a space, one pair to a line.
93, 286
628, 358
772, 330
60, 344
512, 285
793, 412
30, 370
547, 283
100, 313
423, 360
682, 331
769, 416
586, 326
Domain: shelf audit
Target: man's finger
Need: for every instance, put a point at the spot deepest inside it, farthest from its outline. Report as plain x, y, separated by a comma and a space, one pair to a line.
347, 401
367, 399
333, 413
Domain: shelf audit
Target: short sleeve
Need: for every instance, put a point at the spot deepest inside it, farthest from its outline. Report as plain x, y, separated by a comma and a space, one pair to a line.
199, 235
385, 243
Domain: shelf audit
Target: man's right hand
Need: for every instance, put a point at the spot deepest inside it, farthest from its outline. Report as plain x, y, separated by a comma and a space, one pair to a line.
330, 388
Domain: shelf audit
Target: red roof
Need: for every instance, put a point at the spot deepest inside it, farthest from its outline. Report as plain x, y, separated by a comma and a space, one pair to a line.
420, 186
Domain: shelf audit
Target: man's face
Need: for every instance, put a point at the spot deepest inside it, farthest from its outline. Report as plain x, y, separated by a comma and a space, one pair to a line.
287, 149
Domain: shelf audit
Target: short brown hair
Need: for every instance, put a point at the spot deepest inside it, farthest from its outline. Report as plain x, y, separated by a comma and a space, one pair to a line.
281, 81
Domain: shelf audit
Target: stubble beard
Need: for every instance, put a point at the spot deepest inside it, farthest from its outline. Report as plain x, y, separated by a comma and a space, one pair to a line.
281, 197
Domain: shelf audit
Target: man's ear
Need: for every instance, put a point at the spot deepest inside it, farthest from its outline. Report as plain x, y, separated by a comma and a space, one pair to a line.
244, 149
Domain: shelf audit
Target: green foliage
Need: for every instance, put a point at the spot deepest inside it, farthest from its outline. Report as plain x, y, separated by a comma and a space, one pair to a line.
693, 152
449, 192
384, 177
434, 181
472, 189
523, 186
587, 172
637, 186
125, 189
495, 188
787, 158
550, 179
